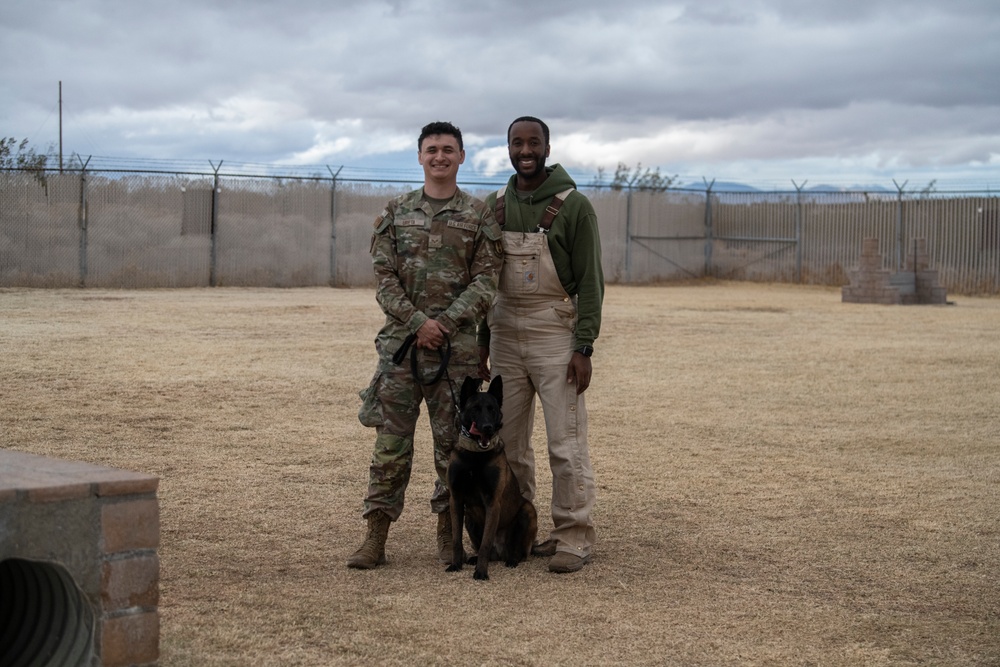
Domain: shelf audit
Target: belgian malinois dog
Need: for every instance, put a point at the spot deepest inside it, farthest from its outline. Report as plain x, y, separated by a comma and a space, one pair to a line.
484, 491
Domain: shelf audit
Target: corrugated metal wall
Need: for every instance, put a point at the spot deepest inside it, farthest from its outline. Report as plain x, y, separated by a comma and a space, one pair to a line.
156, 230
961, 233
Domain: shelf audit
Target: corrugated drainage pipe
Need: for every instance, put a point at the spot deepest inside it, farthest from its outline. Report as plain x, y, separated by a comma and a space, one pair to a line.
44, 618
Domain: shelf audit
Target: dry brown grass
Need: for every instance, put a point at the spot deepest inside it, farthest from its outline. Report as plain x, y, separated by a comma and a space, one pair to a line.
783, 479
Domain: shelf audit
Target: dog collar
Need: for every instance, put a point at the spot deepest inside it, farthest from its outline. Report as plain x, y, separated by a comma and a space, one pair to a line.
470, 444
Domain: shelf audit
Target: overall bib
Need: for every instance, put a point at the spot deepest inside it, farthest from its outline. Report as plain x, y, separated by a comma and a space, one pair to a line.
532, 328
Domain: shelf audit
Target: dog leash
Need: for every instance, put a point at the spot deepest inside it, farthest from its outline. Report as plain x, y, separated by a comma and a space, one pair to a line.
408, 345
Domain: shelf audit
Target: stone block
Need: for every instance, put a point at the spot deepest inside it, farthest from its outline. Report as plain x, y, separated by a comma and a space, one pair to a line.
130, 582
131, 639
130, 524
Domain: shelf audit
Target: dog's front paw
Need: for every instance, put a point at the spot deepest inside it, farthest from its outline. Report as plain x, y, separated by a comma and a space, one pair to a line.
511, 563
454, 567
481, 576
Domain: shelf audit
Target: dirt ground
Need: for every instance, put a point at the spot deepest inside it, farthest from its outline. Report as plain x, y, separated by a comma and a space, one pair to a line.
783, 479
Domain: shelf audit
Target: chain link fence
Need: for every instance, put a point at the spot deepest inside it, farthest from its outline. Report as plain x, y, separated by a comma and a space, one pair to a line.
172, 229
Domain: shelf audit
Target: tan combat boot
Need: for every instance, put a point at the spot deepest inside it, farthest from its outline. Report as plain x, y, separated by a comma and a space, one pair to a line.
444, 537
372, 551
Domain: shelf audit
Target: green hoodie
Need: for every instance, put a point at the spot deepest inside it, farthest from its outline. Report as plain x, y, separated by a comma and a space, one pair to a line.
574, 242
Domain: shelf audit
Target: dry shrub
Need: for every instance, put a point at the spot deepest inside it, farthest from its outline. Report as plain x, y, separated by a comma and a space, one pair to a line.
783, 479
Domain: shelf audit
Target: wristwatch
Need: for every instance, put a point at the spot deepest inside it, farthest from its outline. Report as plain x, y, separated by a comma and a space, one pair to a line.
585, 350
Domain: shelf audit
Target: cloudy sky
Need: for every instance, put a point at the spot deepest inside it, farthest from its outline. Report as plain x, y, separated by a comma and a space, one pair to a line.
758, 91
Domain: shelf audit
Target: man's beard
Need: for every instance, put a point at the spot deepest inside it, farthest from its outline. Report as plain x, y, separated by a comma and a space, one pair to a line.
539, 167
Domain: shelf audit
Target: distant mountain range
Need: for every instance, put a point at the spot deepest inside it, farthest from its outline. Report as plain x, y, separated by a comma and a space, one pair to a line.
734, 186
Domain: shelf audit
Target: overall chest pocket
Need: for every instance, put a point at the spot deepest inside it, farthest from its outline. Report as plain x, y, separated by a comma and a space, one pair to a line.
519, 274
522, 262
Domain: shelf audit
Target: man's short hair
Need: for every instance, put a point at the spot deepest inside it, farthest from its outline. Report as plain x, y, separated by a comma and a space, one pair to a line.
530, 119
440, 127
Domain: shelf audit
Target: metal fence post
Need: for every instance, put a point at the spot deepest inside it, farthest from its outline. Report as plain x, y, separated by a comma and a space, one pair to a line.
708, 225
628, 236
213, 228
899, 224
333, 226
798, 230
82, 224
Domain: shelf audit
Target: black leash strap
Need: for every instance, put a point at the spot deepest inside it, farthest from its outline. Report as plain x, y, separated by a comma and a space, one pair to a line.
408, 345
400, 354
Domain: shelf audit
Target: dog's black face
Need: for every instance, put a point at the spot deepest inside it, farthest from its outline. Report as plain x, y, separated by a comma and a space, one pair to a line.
481, 414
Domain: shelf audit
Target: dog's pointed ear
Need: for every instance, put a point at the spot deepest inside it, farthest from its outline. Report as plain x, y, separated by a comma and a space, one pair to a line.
469, 387
496, 389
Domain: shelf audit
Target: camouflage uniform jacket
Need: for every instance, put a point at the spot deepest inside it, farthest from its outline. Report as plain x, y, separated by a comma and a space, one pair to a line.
440, 266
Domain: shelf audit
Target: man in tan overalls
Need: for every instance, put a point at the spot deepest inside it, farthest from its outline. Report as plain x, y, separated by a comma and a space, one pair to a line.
540, 333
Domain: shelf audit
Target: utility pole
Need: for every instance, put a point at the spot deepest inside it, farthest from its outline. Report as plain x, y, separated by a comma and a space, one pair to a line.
60, 129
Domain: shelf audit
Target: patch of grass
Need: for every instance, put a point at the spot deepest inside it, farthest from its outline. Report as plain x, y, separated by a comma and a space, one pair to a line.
783, 479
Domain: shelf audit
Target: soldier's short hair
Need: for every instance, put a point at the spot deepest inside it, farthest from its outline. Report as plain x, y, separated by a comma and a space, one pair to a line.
440, 127
530, 119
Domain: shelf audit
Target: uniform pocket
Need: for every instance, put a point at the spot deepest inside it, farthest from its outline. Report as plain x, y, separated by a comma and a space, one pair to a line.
411, 236
370, 413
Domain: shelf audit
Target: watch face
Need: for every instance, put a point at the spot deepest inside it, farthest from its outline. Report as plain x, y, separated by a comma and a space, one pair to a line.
585, 350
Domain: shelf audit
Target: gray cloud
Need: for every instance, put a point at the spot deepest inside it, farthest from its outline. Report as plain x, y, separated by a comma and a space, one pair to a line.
708, 87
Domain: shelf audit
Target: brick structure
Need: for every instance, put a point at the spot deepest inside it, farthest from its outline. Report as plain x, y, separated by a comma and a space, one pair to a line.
79, 572
928, 287
917, 284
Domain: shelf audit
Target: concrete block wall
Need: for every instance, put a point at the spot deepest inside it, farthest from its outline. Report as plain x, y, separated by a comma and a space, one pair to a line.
79, 570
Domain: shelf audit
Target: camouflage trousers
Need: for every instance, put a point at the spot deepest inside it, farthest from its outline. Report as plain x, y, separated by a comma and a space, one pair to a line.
392, 406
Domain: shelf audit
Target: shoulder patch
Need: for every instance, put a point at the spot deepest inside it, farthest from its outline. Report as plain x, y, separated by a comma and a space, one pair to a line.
491, 230
382, 222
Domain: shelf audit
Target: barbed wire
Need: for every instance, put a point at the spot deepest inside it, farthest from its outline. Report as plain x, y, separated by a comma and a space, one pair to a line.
989, 182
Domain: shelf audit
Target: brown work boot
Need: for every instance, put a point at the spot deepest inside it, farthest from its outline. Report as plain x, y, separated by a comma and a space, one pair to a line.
372, 551
444, 536
545, 549
564, 562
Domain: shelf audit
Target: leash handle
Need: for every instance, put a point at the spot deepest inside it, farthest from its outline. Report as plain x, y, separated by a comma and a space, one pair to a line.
445, 358
400, 354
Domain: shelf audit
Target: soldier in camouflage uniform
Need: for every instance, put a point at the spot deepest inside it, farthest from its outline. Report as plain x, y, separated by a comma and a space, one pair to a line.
436, 253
